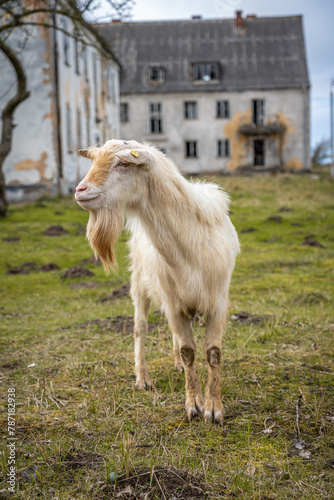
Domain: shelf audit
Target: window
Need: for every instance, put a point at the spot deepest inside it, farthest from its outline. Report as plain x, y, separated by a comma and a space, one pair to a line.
79, 133
124, 112
66, 43
156, 75
69, 128
190, 110
191, 149
76, 56
155, 118
85, 60
258, 111
222, 109
95, 86
205, 72
223, 148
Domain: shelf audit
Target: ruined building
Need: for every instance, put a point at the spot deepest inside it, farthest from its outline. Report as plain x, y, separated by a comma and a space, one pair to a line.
216, 95
74, 101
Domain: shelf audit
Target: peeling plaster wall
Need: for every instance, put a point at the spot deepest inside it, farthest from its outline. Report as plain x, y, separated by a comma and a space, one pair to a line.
32, 167
32, 160
284, 106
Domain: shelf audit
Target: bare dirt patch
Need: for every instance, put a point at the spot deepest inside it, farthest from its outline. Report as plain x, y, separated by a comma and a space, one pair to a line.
119, 324
84, 284
91, 260
13, 239
25, 268
312, 242
77, 272
74, 459
245, 317
56, 230
248, 230
162, 482
49, 267
116, 294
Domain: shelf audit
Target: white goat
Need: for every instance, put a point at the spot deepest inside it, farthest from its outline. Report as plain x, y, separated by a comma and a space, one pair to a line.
183, 251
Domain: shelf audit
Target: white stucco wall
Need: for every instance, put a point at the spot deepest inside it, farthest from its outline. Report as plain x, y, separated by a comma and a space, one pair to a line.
292, 106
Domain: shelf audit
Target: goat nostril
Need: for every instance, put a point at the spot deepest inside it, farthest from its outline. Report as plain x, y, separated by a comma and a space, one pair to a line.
81, 187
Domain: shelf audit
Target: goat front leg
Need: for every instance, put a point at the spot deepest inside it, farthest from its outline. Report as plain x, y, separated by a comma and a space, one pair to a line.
213, 410
177, 355
180, 325
142, 304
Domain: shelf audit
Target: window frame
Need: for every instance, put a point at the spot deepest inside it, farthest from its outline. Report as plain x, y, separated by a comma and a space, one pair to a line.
155, 118
202, 70
223, 109
191, 149
124, 112
223, 148
190, 110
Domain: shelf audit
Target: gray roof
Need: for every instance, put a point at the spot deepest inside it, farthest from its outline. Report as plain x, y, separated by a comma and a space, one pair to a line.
269, 53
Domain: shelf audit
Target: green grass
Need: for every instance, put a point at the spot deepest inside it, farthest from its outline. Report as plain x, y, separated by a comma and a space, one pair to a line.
78, 417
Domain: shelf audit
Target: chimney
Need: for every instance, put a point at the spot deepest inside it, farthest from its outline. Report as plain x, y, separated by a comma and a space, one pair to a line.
196, 17
251, 16
116, 21
239, 22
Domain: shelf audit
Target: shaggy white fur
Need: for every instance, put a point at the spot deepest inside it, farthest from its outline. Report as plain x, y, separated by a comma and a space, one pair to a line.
183, 248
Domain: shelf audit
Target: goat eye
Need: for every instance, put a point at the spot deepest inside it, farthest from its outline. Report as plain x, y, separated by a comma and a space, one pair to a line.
123, 165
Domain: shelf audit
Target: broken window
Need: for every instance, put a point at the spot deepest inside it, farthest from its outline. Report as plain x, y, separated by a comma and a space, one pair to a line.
223, 148
190, 110
205, 72
222, 109
155, 117
191, 149
258, 111
156, 74
124, 112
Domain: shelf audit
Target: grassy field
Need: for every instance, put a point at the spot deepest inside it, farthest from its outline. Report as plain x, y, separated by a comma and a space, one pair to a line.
67, 350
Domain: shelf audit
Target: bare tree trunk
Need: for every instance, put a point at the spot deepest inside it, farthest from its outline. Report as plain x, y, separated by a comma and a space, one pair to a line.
7, 118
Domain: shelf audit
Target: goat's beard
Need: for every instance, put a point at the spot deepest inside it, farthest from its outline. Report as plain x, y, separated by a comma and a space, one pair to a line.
103, 229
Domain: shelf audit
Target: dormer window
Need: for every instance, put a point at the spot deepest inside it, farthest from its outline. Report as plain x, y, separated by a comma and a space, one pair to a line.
205, 72
156, 75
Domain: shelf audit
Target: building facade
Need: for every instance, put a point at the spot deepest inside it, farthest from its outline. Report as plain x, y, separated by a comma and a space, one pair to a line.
216, 95
74, 102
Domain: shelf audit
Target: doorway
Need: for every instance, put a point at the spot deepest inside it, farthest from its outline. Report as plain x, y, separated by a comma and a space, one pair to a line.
259, 152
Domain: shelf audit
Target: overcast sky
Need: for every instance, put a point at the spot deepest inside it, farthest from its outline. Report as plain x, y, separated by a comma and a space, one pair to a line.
318, 30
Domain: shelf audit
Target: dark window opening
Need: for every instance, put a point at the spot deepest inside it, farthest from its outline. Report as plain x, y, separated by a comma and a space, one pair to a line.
155, 118
223, 148
124, 112
156, 74
259, 152
223, 109
205, 72
258, 111
191, 149
190, 110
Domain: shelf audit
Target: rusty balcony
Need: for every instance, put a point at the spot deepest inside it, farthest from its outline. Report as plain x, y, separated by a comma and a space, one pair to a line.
264, 126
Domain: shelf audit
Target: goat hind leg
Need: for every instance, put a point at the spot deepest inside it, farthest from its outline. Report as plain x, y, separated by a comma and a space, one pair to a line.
213, 410
180, 324
177, 355
142, 305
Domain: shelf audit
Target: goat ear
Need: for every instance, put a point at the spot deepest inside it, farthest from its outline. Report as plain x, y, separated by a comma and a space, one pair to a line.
140, 157
88, 153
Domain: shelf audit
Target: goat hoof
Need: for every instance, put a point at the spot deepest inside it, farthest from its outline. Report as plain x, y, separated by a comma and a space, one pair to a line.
212, 416
144, 383
195, 408
179, 367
